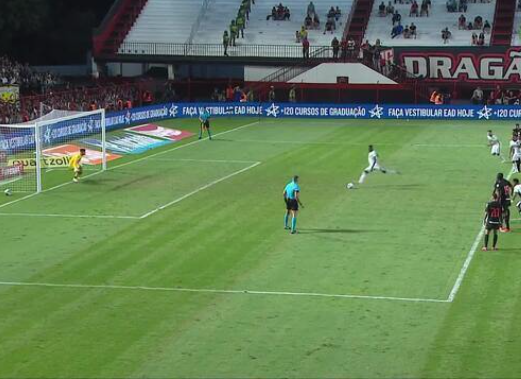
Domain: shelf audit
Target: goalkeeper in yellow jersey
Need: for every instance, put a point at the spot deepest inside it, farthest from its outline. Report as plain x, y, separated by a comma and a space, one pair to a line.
75, 165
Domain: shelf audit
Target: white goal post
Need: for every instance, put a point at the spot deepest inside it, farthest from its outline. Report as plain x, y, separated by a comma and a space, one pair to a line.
32, 152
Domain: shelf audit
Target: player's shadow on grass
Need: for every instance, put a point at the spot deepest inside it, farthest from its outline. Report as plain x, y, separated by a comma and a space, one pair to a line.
335, 231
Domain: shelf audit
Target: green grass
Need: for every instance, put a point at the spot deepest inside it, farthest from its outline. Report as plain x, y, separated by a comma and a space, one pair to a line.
403, 236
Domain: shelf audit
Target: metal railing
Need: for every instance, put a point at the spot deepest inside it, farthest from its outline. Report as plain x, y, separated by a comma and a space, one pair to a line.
217, 50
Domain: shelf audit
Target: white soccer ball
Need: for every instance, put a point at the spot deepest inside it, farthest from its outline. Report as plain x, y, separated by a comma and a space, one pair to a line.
8, 192
350, 186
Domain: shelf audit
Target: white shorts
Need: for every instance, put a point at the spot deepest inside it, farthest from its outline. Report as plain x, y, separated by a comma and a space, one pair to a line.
516, 157
375, 167
496, 149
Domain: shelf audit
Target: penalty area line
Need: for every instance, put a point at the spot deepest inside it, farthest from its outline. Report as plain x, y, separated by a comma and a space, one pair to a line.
69, 216
218, 291
470, 256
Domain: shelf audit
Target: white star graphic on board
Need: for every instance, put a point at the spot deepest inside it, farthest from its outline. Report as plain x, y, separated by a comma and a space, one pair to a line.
273, 110
90, 125
377, 111
47, 135
173, 111
485, 113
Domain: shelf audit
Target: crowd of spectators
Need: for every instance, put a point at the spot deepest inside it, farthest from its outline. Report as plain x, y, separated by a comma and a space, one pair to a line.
479, 27
407, 31
15, 73
110, 97
279, 13
58, 94
233, 94
496, 96
312, 21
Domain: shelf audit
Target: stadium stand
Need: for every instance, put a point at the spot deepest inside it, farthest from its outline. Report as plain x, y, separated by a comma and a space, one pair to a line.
215, 21
165, 21
172, 21
267, 32
429, 29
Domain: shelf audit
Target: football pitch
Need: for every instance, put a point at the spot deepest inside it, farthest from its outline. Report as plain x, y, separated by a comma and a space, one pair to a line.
175, 263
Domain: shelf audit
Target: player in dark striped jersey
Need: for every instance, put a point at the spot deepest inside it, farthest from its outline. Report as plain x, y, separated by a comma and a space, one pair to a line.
493, 220
504, 188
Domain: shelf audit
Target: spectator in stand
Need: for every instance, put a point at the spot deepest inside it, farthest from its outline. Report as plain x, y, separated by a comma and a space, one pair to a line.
412, 29
462, 22
451, 6
271, 95
303, 33
297, 36
305, 48
486, 27
474, 39
424, 8
292, 95
414, 9
351, 45
478, 23
338, 13
389, 9
335, 45
406, 32
316, 22
250, 96
330, 25
462, 6
273, 14
470, 26
216, 95
229, 93
308, 22
397, 30
397, 18
381, 10
311, 9
226, 42
477, 96
519, 5
445, 35
481, 39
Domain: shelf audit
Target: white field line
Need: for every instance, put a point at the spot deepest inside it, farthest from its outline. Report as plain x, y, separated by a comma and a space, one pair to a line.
69, 216
219, 291
132, 162
148, 214
294, 142
201, 160
178, 200
468, 261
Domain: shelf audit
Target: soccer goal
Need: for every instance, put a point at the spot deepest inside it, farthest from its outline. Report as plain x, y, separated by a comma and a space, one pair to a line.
34, 152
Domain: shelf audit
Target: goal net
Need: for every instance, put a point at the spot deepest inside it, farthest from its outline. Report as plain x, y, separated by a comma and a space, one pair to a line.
36, 154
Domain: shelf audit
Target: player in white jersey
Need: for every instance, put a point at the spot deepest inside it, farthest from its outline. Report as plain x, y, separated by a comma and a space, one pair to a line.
374, 164
515, 153
494, 144
517, 193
